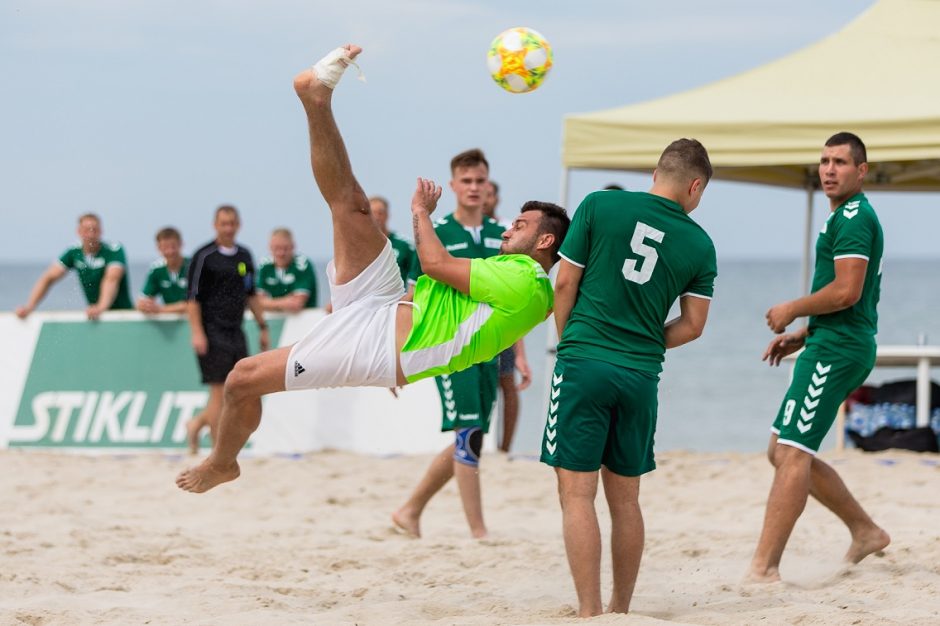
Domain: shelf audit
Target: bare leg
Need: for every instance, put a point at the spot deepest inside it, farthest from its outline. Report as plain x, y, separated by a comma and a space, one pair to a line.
827, 487
252, 378
507, 384
468, 484
209, 416
408, 517
626, 535
576, 491
786, 502
357, 241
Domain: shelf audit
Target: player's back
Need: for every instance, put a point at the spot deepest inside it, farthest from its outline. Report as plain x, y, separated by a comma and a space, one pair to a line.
640, 252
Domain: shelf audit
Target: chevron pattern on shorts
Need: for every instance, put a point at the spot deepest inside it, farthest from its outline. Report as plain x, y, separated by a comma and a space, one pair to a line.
450, 405
811, 399
551, 432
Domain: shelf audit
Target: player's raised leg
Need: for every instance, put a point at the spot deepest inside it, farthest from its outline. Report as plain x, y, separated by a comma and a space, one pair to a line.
252, 378
357, 241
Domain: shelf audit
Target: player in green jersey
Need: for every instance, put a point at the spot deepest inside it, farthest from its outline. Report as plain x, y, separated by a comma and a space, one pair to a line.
464, 311
101, 269
839, 354
405, 255
627, 258
286, 281
167, 277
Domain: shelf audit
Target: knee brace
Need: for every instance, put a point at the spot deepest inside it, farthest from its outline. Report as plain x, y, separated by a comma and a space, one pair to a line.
468, 446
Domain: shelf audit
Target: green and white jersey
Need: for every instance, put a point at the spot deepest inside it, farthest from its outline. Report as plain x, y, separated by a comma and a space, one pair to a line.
298, 277
405, 255
91, 268
640, 252
465, 243
851, 231
509, 295
169, 286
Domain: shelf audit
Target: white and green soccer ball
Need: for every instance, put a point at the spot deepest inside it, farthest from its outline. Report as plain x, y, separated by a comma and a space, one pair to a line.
519, 59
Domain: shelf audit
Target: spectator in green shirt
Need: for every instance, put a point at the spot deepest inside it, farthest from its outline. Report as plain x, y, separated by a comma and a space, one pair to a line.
167, 277
286, 281
101, 268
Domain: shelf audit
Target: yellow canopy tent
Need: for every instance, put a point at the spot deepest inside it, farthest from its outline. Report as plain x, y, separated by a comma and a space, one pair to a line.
879, 77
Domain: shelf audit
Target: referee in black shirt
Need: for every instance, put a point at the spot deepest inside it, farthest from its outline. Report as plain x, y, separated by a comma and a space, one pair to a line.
221, 283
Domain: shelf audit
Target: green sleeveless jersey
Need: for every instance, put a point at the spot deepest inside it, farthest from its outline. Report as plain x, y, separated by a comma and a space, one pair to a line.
851, 231
509, 295
170, 286
640, 252
91, 268
298, 277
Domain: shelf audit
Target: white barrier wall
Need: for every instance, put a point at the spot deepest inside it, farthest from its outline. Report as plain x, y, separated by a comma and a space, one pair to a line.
131, 381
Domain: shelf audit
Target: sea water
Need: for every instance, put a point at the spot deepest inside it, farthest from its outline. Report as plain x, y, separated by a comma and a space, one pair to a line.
715, 393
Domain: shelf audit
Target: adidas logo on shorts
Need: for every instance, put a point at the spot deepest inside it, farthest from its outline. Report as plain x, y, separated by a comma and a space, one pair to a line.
298, 369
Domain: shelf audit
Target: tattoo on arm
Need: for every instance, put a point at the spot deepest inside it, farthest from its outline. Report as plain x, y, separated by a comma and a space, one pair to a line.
415, 221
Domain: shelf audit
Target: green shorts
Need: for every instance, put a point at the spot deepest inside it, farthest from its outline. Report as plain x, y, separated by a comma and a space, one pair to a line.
468, 396
600, 414
822, 380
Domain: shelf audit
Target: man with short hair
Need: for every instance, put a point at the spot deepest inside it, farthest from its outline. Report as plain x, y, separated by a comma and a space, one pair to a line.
167, 277
221, 284
405, 254
627, 258
840, 353
286, 280
101, 269
464, 311
467, 397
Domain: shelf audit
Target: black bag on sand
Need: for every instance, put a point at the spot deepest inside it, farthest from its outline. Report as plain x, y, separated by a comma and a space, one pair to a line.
916, 439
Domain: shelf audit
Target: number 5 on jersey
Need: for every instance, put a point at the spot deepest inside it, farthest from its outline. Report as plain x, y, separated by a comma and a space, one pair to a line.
649, 254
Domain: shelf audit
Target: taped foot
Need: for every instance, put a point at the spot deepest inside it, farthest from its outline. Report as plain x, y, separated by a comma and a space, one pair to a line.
330, 68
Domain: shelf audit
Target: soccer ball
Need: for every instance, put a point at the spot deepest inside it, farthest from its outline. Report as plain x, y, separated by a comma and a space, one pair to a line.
519, 59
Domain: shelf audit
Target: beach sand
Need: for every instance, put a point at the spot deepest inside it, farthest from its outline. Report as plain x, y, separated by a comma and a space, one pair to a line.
307, 540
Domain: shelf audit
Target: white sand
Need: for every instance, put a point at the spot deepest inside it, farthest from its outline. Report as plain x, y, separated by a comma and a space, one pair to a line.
111, 540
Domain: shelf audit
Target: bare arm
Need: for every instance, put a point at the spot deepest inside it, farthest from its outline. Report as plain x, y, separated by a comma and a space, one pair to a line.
53, 274
291, 303
107, 294
199, 339
693, 312
254, 305
566, 292
522, 364
841, 293
436, 261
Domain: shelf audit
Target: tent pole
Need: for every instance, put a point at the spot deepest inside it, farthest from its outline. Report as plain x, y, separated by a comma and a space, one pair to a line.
807, 239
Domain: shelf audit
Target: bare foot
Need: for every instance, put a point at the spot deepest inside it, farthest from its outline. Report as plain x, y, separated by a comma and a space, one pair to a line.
316, 89
479, 533
407, 523
870, 542
205, 476
762, 577
193, 427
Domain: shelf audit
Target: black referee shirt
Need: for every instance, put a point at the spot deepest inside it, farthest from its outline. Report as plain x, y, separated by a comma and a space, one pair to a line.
221, 280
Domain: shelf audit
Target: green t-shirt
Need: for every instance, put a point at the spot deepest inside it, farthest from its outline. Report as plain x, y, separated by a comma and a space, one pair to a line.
640, 252
298, 277
465, 243
91, 270
169, 286
509, 295
851, 231
405, 255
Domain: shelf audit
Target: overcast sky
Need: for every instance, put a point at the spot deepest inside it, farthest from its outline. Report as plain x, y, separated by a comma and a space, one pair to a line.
153, 113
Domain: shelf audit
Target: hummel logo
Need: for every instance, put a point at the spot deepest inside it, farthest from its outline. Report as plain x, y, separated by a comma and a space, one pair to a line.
849, 213
298, 369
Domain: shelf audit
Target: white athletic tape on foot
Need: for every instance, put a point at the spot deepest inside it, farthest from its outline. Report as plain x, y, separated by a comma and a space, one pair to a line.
330, 68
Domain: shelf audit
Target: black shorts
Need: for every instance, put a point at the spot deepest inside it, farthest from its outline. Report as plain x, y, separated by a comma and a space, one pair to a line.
226, 348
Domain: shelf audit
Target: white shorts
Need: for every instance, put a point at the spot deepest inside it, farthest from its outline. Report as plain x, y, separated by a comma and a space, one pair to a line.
354, 346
